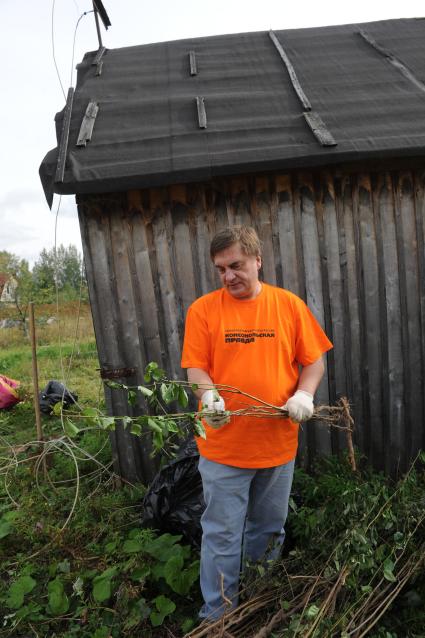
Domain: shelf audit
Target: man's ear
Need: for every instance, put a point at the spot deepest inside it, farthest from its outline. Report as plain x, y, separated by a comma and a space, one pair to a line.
258, 262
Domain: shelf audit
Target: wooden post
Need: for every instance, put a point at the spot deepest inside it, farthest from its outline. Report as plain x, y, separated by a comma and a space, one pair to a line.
35, 379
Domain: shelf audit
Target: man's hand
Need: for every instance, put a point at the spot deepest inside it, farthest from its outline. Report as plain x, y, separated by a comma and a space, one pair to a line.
300, 406
214, 403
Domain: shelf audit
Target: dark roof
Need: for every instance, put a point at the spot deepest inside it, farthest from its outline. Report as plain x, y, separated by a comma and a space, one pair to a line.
369, 91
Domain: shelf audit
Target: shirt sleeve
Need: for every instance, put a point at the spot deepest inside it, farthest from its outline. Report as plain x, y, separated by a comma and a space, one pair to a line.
310, 340
196, 345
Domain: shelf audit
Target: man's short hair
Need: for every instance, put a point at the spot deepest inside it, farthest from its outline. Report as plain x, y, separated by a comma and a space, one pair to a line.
246, 236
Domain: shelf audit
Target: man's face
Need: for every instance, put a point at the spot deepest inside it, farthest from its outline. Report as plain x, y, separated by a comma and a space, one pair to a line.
238, 272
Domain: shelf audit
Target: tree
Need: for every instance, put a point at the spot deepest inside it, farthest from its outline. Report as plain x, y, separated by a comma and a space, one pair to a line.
62, 268
18, 270
8, 262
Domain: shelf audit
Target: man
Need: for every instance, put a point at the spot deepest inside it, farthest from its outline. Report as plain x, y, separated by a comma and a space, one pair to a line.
253, 337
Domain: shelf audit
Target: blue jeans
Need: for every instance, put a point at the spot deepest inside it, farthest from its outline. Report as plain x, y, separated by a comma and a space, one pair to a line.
244, 520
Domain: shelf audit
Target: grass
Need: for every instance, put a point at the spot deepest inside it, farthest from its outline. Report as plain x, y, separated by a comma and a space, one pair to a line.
65, 352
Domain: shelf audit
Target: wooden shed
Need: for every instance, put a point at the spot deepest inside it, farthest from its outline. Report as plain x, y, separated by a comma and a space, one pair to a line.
316, 137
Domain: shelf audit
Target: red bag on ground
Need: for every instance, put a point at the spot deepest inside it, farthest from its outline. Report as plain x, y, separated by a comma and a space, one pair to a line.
8, 394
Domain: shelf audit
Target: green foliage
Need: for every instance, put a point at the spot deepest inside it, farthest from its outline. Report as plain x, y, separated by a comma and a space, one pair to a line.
58, 600
102, 584
119, 580
163, 426
23, 585
21, 283
367, 527
164, 607
6, 523
62, 268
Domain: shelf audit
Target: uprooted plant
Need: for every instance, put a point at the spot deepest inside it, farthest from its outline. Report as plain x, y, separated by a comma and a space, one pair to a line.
159, 392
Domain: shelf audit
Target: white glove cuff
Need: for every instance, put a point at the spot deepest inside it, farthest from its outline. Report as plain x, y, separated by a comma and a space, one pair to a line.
310, 396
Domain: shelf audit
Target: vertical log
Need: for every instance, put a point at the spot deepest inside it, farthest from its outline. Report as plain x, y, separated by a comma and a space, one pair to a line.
349, 301
167, 287
318, 438
289, 230
329, 233
389, 330
146, 307
181, 253
238, 201
218, 215
263, 224
408, 245
371, 346
201, 222
418, 435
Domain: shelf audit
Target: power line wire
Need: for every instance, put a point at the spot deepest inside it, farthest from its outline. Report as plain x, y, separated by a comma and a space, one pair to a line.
53, 48
73, 44
65, 375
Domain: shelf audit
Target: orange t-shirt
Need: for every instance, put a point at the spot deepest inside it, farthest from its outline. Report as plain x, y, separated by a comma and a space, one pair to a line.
254, 345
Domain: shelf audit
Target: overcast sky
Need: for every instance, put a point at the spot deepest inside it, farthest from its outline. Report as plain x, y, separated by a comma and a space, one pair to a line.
31, 93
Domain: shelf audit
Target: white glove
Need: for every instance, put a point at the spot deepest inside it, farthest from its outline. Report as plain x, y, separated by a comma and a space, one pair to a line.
300, 406
214, 403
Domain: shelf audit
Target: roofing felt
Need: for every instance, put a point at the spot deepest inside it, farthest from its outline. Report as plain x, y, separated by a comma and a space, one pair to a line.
365, 84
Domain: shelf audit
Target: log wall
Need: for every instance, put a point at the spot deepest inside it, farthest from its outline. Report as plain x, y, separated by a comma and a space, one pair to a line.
350, 243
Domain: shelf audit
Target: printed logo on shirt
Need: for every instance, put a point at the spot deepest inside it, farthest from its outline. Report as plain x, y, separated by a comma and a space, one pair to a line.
248, 336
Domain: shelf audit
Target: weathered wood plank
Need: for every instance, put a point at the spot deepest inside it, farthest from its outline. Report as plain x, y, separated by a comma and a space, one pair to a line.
63, 144
371, 324
146, 309
318, 437
289, 233
292, 74
167, 288
238, 201
192, 63
202, 114
134, 456
86, 128
335, 327
261, 220
287, 228
219, 215
392, 59
392, 370
418, 435
349, 260
181, 253
274, 204
99, 55
410, 317
319, 129
200, 232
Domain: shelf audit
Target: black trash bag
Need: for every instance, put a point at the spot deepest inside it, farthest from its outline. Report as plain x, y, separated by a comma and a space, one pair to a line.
174, 502
53, 393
